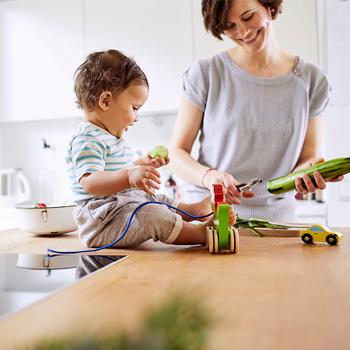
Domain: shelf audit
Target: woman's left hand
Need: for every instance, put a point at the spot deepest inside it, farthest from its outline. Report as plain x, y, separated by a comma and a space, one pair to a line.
310, 187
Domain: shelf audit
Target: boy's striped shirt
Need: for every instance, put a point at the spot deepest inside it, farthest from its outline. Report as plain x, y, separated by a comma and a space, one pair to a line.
94, 149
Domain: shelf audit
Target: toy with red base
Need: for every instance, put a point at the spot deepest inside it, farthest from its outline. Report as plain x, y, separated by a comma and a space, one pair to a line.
221, 235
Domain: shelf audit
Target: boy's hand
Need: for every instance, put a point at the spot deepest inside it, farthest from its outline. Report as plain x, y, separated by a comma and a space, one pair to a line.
156, 162
144, 177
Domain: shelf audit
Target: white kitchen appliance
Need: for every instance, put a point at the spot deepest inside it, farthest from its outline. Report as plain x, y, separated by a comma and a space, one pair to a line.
14, 187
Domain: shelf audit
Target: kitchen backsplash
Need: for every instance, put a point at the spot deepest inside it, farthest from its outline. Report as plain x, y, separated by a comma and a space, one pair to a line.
22, 146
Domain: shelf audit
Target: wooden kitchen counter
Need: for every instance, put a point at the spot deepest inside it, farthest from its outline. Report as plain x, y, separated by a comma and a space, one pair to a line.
275, 293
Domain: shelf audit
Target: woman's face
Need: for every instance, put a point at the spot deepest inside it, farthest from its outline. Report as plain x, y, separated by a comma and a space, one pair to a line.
248, 25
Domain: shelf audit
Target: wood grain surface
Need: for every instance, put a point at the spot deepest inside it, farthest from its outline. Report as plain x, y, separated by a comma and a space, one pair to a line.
291, 232
275, 293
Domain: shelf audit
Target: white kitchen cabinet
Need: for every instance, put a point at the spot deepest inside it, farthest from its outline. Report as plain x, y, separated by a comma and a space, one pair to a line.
337, 145
312, 212
338, 214
156, 33
41, 45
44, 41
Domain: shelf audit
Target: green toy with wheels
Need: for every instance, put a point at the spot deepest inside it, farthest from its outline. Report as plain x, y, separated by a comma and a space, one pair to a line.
221, 236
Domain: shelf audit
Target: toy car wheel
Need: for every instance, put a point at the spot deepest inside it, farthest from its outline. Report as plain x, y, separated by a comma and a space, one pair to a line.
234, 240
331, 239
307, 238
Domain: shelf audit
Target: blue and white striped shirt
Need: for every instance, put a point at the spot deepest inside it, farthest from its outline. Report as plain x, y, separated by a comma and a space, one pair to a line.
94, 149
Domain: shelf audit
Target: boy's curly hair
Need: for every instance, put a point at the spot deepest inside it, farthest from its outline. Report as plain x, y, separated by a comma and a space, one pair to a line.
102, 71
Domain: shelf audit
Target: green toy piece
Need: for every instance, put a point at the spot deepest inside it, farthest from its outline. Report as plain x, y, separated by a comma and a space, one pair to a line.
221, 235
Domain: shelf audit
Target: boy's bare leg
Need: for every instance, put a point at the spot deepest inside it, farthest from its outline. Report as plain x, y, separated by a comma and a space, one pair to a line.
203, 208
197, 234
197, 209
193, 234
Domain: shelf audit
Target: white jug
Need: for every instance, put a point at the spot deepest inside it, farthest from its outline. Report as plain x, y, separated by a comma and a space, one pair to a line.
14, 187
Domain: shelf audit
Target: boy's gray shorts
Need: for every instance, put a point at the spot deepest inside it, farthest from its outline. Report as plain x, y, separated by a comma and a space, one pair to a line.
102, 220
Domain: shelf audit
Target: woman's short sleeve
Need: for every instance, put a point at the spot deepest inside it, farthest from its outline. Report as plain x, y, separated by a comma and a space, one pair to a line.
319, 98
195, 86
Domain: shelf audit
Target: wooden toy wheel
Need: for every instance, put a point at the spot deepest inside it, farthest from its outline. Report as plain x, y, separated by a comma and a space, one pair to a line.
307, 238
234, 240
331, 239
213, 240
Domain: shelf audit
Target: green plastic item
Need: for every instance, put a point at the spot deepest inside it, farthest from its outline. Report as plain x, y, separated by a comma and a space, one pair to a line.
221, 220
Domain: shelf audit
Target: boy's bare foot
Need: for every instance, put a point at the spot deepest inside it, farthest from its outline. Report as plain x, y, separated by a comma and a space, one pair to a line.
203, 208
232, 218
232, 215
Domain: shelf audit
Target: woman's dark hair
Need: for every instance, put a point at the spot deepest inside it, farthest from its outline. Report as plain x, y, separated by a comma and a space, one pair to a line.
102, 71
215, 13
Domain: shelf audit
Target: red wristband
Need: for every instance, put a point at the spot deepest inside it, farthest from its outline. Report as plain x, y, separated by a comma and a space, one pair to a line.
204, 176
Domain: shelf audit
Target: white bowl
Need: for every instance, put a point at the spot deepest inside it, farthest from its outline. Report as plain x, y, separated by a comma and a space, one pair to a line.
46, 221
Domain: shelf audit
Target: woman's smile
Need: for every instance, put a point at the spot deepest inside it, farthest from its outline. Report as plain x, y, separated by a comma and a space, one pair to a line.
251, 38
249, 25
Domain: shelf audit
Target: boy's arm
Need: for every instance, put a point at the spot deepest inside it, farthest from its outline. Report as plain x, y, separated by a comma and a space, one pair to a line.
105, 183
139, 161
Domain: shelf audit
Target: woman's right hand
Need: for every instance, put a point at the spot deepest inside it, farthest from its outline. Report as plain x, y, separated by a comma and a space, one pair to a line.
144, 177
229, 183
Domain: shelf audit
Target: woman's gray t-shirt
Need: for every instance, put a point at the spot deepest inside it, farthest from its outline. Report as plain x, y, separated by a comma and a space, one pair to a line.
254, 127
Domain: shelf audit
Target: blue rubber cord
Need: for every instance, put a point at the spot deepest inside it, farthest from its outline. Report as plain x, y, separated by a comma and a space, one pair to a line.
127, 227
49, 256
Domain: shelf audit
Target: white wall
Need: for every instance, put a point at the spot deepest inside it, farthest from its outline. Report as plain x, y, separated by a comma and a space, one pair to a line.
300, 29
337, 119
21, 146
295, 28
1, 150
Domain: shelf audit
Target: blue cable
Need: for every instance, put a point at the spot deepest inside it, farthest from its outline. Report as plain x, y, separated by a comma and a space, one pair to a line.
96, 256
127, 227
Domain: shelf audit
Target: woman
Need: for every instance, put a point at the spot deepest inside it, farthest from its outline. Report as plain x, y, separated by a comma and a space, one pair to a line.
259, 111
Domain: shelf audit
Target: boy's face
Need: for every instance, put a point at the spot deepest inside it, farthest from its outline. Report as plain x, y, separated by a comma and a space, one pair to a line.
124, 108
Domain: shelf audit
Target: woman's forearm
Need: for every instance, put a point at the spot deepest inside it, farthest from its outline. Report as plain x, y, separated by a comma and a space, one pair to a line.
185, 131
186, 167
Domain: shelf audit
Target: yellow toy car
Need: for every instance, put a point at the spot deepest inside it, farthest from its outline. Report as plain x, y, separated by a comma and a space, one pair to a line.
321, 233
